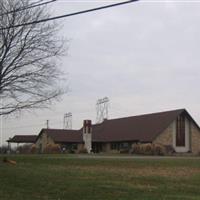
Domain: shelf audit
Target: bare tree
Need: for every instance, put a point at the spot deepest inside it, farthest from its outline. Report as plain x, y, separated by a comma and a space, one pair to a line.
28, 54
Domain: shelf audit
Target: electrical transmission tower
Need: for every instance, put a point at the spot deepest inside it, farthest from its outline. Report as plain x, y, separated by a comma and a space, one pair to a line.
67, 123
102, 109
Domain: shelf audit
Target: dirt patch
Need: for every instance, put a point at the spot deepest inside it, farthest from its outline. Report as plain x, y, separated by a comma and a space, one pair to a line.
183, 172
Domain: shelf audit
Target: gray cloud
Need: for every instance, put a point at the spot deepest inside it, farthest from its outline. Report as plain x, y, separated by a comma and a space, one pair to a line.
144, 57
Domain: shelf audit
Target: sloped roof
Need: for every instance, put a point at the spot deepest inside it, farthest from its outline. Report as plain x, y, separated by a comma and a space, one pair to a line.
23, 139
144, 128
62, 135
139, 128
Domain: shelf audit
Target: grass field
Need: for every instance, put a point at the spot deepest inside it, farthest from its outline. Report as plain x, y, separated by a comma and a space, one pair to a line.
60, 177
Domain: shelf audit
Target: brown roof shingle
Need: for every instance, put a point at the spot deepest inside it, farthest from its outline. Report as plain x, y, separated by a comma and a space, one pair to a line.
23, 139
62, 135
143, 128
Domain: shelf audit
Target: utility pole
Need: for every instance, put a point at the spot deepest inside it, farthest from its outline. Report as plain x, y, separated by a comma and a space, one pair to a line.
47, 123
102, 109
67, 122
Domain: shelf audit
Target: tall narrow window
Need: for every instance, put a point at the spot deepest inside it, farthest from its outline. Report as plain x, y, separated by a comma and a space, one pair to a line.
180, 131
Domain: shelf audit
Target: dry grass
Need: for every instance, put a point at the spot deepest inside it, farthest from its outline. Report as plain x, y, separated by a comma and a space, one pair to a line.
61, 177
174, 172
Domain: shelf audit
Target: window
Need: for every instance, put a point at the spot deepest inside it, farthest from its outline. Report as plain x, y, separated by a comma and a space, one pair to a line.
125, 145
115, 146
180, 131
70, 146
118, 145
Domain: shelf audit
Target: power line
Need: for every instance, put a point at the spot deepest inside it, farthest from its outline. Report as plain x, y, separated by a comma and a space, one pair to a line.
26, 126
67, 123
54, 122
102, 109
33, 5
71, 14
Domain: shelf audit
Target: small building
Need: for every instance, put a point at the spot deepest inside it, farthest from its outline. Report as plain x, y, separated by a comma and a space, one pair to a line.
174, 128
67, 139
21, 139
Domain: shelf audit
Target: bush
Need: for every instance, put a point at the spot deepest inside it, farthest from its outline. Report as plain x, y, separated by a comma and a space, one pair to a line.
83, 150
52, 148
70, 151
169, 150
3, 149
33, 149
148, 149
124, 151
135, 149
24, 149
159, 150
114, 151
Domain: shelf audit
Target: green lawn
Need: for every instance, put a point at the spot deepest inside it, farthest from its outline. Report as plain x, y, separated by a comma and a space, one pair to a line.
84, 178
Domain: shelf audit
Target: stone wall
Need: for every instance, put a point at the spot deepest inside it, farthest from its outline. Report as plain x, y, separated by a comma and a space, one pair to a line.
80, 148
43, 141
195, 139
106, 147
166, 137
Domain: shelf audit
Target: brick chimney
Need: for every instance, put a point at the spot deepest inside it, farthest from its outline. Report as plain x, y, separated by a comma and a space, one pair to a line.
87, 135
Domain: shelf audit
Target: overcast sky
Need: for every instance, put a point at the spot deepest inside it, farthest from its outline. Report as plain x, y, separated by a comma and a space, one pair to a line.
144, 56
